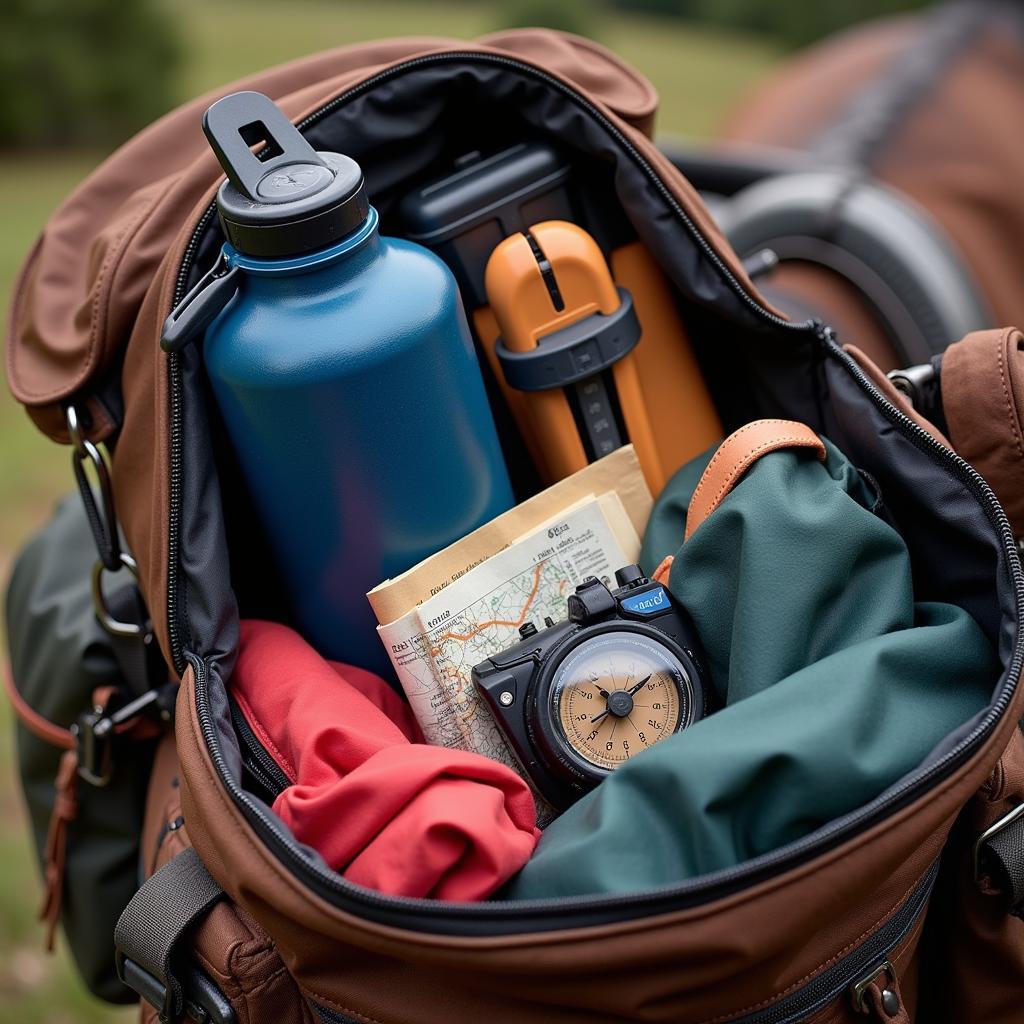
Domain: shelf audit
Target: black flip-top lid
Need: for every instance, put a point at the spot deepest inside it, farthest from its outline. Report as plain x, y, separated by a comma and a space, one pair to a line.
289, 199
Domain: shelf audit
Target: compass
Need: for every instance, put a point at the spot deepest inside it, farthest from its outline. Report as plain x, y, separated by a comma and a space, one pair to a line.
581, 698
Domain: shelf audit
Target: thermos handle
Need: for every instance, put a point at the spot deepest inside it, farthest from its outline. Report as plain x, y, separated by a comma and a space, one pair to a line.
237, 122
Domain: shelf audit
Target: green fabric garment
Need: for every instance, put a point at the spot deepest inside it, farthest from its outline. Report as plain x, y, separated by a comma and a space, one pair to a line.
831, 683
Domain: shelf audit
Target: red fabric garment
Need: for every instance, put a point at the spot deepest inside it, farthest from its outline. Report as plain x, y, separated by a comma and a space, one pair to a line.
384, 810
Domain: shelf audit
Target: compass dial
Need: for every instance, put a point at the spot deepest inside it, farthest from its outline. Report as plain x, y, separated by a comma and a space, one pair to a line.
618, 694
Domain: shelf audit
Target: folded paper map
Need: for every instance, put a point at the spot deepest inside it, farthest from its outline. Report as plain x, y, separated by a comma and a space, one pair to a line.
618, 473
526, 574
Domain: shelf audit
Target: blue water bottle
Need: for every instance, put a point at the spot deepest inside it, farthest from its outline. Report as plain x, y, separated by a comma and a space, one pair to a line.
346, 377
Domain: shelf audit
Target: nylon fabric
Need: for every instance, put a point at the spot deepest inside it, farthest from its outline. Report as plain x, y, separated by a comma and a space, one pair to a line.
832, 681
160, 914
364, 793
60, 657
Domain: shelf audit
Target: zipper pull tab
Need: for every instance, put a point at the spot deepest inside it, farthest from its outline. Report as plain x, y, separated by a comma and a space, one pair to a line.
878, 995
200, 307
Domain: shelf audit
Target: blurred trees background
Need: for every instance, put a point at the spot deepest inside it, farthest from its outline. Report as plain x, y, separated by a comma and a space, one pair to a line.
792, 23
92, 72
89, 72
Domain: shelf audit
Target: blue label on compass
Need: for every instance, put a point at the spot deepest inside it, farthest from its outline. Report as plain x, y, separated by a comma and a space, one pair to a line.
650, 602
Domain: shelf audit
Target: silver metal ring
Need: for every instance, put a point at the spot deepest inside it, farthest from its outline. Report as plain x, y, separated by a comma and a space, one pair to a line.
74, 424
113, 626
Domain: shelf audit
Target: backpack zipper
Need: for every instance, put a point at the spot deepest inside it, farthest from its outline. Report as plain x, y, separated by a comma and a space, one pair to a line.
489, 918
255, 757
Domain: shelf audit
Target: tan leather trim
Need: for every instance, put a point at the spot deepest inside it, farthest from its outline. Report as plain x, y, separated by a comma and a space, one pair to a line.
737, 453
664, 570
47, 731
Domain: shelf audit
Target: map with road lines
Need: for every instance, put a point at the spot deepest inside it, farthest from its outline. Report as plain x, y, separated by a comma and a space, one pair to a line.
435, 646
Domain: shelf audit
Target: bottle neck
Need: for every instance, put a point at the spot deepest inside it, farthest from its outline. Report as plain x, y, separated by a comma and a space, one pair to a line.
364, 237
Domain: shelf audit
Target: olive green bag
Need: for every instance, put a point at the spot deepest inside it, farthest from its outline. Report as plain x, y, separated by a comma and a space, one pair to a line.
831, 680
86, 818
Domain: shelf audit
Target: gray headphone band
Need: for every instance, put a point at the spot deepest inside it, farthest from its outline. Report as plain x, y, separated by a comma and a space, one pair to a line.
884, 244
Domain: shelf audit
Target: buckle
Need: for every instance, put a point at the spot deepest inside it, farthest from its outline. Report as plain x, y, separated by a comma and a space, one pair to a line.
202, 1002
858, 991
911, 380
94, 736
115, 627
990, 833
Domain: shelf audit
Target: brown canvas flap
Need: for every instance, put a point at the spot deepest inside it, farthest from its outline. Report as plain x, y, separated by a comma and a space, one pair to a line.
81, 288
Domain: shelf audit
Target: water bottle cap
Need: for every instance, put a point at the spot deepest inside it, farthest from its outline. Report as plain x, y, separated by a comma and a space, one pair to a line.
290, 199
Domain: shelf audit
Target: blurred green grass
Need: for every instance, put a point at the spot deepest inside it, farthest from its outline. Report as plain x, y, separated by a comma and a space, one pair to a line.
699, 74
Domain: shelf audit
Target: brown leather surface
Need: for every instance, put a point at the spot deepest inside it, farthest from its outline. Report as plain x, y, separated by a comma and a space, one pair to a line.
808, 91
232, 949
980, 975
983, 399
163, 805
736, 454
72, 315
692, 965
957, 157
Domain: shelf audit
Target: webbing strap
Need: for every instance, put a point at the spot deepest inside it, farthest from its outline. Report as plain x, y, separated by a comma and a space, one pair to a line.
1003, 857
159, 914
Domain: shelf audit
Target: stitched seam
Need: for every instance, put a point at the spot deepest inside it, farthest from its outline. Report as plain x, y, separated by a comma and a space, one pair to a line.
765, 447
340, 1006
823, 966
1001, 355
264, 738
264, 983
721, 453
224, 979
772, 444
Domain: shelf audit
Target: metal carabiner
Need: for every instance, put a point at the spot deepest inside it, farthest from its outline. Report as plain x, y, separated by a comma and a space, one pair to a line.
100, 512
115, 627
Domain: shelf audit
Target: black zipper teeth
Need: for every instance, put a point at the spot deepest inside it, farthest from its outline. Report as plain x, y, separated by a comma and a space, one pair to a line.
667, 899
174, 637
255, 756
177, 647
830, 985
833, 983
331, 1016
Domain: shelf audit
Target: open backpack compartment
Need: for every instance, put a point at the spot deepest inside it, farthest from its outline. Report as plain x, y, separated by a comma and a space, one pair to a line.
786, 936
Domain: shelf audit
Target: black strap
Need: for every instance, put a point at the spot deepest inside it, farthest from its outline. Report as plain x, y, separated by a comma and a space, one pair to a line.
157, 917
1003, 860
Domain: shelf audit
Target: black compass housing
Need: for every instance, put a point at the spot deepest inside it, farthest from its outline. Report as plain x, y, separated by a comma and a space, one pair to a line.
516, 685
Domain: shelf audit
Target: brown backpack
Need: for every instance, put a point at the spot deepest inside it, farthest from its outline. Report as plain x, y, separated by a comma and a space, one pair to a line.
897, 910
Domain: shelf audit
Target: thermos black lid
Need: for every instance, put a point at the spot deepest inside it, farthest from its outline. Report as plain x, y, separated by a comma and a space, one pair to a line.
289, 199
